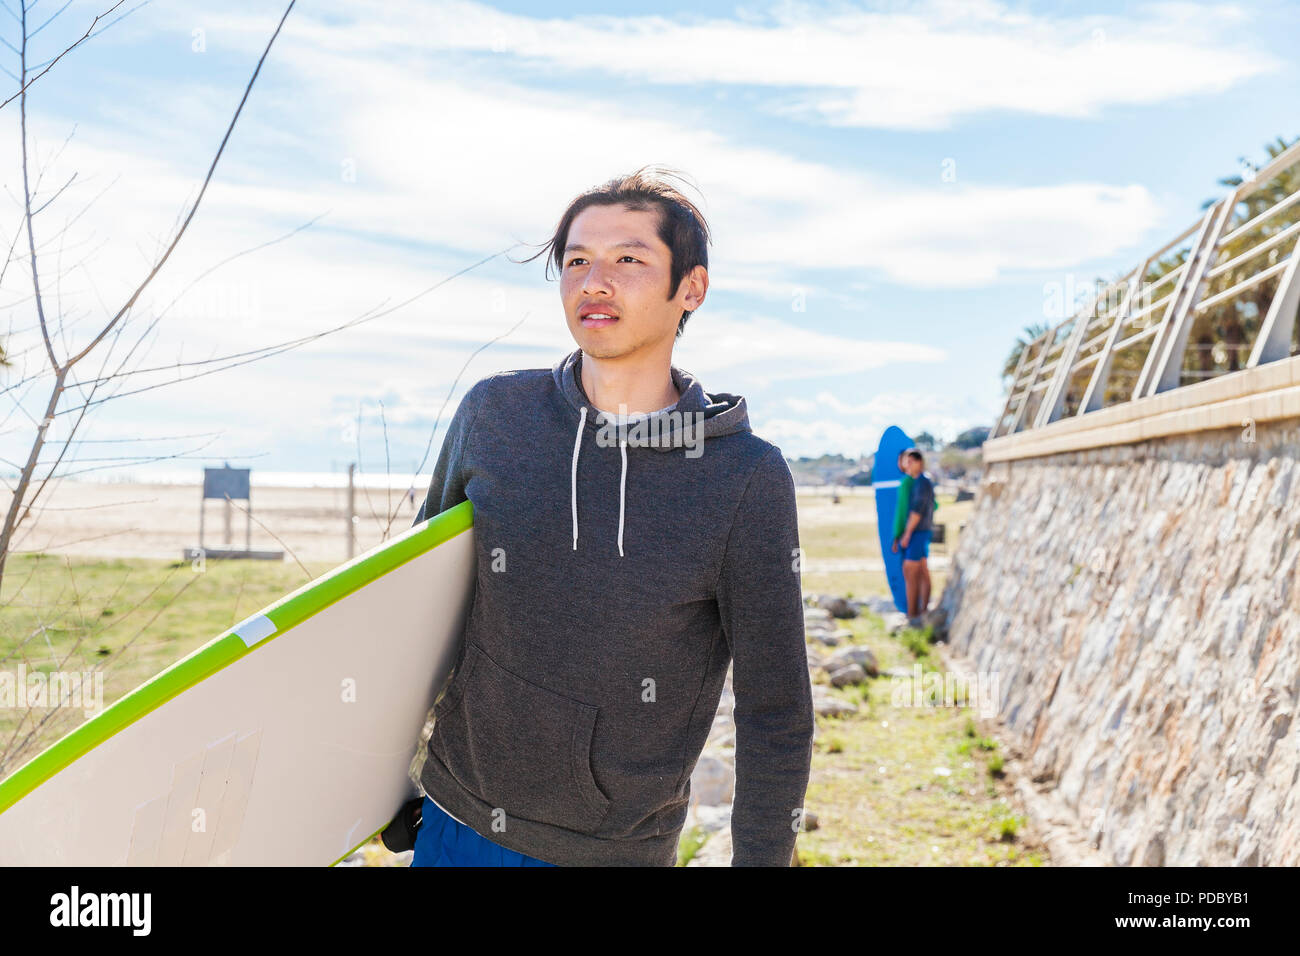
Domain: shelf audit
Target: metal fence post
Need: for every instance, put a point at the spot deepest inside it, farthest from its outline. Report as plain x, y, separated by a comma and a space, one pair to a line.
1274, 339
1095, 394
1166, 371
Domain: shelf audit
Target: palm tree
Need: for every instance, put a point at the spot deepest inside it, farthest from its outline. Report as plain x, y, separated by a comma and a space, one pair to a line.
1235, 323
1030, 334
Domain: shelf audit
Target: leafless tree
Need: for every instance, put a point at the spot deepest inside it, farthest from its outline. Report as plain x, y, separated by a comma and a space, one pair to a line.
27, 491
73, 383
58, 367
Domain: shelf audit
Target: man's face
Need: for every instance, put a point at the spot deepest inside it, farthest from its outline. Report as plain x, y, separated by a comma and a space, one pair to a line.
914, 467
615, 262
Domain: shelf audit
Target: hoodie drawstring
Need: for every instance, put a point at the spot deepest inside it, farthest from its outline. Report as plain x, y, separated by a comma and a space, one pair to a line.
573, 497
573, 483
622, 486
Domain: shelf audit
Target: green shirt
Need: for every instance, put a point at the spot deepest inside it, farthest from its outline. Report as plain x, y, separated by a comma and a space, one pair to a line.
900, 506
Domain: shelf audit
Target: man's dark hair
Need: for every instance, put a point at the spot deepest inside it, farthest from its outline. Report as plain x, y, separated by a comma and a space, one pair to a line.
682, 227
915, 453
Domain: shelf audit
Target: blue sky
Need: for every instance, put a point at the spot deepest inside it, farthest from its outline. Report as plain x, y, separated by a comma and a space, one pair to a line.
919, 176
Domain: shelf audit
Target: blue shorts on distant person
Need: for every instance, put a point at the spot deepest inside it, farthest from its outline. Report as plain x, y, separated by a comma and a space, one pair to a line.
918, 546
444, 841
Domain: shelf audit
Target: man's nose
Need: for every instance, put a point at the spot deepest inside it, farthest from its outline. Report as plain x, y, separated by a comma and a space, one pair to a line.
594, 280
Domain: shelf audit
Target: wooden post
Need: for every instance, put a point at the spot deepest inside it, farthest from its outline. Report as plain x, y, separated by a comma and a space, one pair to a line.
352, 526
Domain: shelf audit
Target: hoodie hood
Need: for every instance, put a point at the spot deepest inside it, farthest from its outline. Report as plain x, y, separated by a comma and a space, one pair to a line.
696, 417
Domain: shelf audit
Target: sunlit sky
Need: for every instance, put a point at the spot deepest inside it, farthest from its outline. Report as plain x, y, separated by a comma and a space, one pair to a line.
894, 191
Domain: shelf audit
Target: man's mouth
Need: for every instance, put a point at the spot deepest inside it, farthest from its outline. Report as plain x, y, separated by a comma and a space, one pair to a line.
597, 320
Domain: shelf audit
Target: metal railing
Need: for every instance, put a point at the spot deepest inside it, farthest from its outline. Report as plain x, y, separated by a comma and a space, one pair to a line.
1223, 288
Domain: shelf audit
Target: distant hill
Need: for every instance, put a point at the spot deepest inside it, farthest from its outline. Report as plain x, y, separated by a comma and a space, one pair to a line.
828, 469
959, 459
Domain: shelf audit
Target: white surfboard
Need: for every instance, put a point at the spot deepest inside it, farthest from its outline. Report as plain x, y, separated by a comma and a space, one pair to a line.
285, 741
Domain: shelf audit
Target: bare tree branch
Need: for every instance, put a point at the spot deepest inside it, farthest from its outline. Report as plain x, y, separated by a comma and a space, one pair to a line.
25, 83
15, 514
52, 18
202, 190
451, 391
253, 355
287, 549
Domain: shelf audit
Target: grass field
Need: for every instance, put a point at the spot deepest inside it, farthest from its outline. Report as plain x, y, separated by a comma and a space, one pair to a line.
128, 618
899, 785
847, 531
131, 618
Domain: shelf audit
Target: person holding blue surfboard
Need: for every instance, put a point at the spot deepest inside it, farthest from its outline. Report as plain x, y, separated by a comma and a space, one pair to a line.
904, 497
915, 538
635, 539
901, 512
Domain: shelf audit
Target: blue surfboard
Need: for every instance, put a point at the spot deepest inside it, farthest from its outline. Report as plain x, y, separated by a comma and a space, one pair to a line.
884, 480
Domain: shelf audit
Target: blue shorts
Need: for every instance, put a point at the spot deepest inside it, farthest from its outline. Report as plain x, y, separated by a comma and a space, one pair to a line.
918, 546
443, 841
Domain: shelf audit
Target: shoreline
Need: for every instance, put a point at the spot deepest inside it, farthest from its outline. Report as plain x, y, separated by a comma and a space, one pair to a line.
159, 521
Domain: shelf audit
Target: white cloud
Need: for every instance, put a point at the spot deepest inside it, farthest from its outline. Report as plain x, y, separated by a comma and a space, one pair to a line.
766, 350
827, 423
455, 160
439, 154
922, 67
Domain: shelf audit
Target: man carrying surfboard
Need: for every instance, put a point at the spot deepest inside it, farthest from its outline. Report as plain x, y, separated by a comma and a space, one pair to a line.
915, 539
634, 538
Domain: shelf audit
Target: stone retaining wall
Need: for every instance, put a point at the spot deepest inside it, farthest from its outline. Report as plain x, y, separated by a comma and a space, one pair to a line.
1140, 607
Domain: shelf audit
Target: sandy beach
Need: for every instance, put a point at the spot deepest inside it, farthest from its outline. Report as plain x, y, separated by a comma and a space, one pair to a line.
143, 520
162, 520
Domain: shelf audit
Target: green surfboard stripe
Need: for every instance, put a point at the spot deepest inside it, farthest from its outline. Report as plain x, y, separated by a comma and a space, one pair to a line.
359, 845
286, 613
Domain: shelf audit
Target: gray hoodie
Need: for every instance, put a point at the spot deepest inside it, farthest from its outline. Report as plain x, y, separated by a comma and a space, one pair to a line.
621, 568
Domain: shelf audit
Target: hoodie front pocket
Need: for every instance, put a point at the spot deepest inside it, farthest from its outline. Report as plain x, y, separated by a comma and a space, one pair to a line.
520, 747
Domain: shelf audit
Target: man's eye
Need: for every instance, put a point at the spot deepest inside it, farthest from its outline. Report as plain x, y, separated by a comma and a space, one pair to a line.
580, 259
